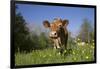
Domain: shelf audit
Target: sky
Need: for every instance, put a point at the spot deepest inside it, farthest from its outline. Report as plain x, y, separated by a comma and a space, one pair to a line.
36, 14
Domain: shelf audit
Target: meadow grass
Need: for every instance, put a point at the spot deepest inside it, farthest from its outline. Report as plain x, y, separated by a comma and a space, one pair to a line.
77, 53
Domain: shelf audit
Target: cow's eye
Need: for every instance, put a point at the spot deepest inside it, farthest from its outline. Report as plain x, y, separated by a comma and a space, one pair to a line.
59, 25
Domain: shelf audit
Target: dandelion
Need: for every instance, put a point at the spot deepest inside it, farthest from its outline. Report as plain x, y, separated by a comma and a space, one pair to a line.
50, 55
83, 43
90, 51
73, 52
87, 57
74, 59
83, 51
87, 44
78, 44
93, 43
75, 41
65, 51
78, 39
44, 56
59, 53
92, 47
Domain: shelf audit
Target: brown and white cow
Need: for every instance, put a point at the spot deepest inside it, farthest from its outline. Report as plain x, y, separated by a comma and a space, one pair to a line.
58, 32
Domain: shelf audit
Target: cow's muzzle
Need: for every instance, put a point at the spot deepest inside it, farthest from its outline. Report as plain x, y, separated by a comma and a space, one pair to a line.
53, 34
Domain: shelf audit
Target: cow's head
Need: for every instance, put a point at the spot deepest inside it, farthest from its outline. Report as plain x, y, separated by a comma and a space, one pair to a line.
55, 27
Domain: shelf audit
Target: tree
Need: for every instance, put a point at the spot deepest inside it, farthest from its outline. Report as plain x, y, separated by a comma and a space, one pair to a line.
86, 31
21, 32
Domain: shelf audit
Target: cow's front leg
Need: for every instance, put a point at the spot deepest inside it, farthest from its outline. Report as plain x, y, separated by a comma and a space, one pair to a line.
60, 46
55, 46
57, 43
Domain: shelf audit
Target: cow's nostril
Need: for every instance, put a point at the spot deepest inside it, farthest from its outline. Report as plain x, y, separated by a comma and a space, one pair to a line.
55, 34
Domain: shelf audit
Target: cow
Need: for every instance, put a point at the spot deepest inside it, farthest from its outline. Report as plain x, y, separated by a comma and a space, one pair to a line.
58, 32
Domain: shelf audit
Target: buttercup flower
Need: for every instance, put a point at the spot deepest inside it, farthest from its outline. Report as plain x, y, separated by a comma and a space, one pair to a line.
92, 47
83, 43
50, 55
86, 57
83, 51
74, 58
73, 52
44, 56
65, 51
78, 39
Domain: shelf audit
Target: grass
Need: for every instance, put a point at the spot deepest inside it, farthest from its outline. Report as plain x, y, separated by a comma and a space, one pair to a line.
77, 53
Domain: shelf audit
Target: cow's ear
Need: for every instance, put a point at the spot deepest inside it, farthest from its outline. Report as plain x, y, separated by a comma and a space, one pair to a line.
65, 22
46, 24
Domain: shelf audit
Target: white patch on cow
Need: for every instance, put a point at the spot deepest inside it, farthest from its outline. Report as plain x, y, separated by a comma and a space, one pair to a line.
53, 34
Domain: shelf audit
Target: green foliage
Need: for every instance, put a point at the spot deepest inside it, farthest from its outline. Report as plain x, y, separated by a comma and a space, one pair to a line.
43, 41
20, 32
40, 41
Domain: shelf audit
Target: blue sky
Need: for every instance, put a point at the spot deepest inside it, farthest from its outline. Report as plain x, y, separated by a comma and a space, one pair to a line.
36, 14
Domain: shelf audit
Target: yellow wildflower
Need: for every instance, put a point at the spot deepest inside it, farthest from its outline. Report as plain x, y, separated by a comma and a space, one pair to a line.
93, 43
73, 52
79, 44
83, 43
86, 57
50, 55
75, 41
83, 51
74, 58
65, 51
92, 47
44, 56
78, 39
